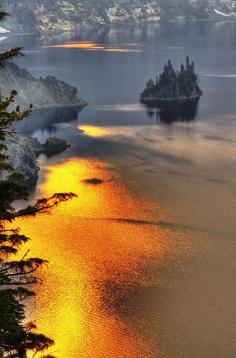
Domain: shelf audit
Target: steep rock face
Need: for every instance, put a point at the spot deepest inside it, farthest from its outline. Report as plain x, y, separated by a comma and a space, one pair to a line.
22, 18
42, 93
22, 156
224, 8
23, 151
212, 8
71, 15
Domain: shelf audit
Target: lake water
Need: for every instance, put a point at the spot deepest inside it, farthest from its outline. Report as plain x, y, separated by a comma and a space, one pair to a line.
143, 265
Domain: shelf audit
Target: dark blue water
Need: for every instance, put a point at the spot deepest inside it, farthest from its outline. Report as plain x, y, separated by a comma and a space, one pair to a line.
117, 78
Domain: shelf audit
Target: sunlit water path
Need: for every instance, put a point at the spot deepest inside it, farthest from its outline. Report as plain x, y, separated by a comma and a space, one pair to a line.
142, 264
101, 248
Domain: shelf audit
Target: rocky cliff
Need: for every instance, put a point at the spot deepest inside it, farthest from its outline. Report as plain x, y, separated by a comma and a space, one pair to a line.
50, 98
71, 15
42, 93
22, 151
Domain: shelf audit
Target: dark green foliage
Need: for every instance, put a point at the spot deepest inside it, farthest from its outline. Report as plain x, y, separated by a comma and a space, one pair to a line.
8, 55
11, 187
15, 336
44, 204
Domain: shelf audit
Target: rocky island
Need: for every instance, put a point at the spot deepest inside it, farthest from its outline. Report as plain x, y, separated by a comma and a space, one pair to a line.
173, 87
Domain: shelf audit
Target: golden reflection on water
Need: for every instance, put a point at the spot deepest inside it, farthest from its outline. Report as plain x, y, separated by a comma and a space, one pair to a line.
91, 46
93, 262
95, 131
85, 45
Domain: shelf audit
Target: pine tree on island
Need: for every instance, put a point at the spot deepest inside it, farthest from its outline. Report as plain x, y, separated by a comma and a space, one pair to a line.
172, 85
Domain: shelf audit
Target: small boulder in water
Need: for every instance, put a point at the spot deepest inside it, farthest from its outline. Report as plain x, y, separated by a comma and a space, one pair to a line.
93, 181
54, 145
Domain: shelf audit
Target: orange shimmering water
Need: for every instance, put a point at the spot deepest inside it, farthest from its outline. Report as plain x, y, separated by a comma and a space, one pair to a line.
91, 46
95, 132
98, 257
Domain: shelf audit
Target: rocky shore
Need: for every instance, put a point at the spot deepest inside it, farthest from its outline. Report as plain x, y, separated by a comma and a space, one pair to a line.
53, 100
24, 150
22, 156
48, 92
43, 16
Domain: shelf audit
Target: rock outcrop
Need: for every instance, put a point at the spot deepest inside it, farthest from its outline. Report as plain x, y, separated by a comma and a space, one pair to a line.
24, 150
42, 93
54, 145
22, 156
40, 16
172, 85
51, 98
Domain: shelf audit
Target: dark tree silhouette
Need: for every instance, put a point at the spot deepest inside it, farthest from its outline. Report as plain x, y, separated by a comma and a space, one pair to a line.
16, 337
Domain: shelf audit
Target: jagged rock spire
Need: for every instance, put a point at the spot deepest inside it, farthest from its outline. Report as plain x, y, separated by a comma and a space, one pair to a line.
174, 84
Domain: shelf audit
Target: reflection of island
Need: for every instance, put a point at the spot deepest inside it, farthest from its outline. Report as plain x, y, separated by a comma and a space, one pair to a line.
175, 94
184, 112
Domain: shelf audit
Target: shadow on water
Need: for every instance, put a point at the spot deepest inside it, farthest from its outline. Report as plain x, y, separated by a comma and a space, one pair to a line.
46, 118
159, 223
173, 112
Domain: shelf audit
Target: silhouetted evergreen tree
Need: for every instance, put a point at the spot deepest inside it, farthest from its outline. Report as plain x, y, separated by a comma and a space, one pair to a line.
16, 337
